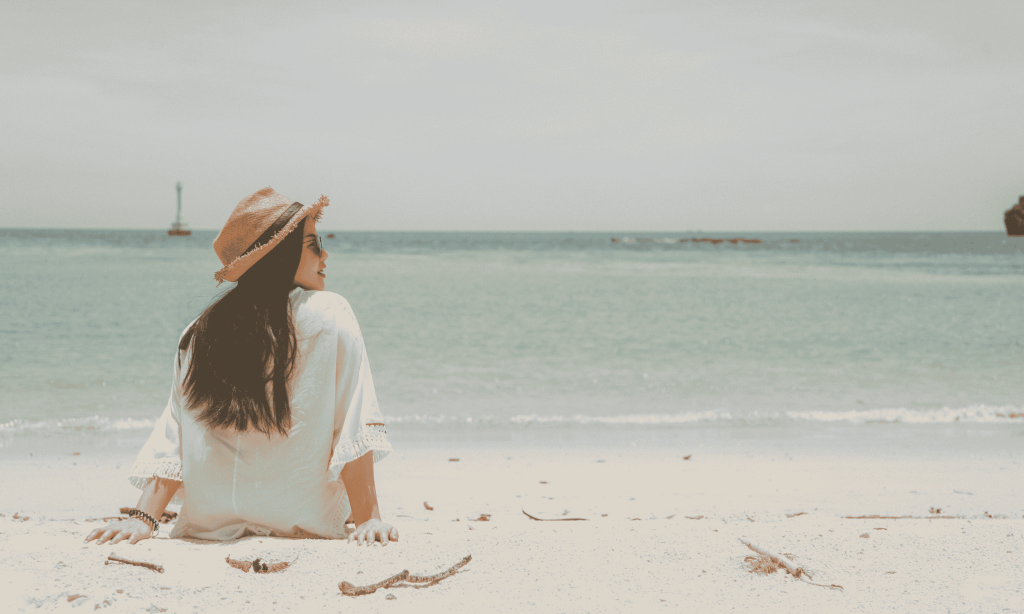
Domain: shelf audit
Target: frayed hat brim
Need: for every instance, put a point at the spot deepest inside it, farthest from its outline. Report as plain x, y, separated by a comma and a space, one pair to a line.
237, 267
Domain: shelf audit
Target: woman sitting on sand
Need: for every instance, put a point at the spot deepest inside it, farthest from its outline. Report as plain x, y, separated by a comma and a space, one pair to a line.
272, 427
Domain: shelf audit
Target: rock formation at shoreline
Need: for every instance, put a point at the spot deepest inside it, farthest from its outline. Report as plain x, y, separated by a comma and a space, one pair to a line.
1014, 219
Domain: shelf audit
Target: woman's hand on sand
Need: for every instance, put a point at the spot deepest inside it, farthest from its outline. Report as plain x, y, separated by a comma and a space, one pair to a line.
374, 530
133, 529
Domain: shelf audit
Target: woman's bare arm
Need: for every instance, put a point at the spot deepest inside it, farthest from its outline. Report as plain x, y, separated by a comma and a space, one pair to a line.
362, 495
155, 497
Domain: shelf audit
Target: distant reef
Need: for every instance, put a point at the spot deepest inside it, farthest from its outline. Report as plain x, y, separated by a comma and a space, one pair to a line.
1014, 219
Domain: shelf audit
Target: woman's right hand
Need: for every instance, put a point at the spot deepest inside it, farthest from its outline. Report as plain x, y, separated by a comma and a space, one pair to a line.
133, 529
373, 530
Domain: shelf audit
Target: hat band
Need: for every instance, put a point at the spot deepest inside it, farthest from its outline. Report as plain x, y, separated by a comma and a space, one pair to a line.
278, 224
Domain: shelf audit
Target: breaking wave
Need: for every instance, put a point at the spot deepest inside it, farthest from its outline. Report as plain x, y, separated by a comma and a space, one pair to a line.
979, 414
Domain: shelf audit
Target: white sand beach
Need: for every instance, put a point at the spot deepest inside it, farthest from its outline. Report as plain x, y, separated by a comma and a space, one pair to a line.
662, 533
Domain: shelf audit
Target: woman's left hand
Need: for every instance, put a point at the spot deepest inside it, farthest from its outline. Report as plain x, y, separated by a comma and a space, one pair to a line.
374, 530
132, 529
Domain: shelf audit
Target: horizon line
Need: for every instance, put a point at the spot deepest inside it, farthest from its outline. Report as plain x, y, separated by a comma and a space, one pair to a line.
648, 231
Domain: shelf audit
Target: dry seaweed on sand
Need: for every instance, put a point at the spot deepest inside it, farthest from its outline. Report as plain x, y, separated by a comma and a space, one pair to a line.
261, 567
349, 589
777, 562
780, 561
258, 565
762, 565
244, 566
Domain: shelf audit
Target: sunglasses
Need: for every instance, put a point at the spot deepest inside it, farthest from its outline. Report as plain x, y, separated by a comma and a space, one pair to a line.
317, 245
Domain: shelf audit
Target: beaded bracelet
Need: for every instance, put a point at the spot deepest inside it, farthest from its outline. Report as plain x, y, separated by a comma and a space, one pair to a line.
135, 513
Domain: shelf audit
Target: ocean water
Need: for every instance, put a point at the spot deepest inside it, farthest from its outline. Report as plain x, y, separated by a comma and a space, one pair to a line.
567, 332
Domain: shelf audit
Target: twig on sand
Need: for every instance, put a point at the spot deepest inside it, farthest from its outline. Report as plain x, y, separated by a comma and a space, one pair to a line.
796, 572
351, 590
347, 588
118, 559
434, 579
551, 519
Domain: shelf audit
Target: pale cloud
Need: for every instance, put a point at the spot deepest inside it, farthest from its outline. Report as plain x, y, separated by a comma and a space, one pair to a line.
600, 115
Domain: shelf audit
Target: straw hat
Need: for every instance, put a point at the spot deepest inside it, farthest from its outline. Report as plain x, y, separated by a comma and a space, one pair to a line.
259, 222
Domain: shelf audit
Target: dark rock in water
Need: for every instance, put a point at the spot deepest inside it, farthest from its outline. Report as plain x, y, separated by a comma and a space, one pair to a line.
1014, 219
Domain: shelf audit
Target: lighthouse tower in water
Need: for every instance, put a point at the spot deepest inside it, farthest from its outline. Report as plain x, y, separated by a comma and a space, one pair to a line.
178, 228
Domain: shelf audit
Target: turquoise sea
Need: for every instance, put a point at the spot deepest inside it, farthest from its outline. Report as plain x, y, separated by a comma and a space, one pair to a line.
553, 332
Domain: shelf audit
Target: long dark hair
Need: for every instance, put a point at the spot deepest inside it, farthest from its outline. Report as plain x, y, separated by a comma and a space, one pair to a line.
244, 341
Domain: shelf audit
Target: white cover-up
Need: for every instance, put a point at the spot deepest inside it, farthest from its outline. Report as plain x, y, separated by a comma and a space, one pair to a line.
234, 483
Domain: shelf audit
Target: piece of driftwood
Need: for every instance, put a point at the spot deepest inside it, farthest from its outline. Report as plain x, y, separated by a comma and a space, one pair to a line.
427, 505
349, 589
434, 579
117, 559
791, 567
552, 519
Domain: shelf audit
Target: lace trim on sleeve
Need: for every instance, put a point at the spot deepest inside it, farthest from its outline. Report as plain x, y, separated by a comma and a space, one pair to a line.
167, 468
371, 437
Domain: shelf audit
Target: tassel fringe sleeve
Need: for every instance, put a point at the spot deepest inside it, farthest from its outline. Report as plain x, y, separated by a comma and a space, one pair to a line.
141, 473
161, 456
371, 437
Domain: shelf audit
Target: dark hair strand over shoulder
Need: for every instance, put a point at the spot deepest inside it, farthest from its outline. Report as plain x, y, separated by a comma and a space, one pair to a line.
243, 348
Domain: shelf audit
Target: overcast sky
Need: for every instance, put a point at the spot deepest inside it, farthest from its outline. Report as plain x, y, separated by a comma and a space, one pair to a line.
587, 115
